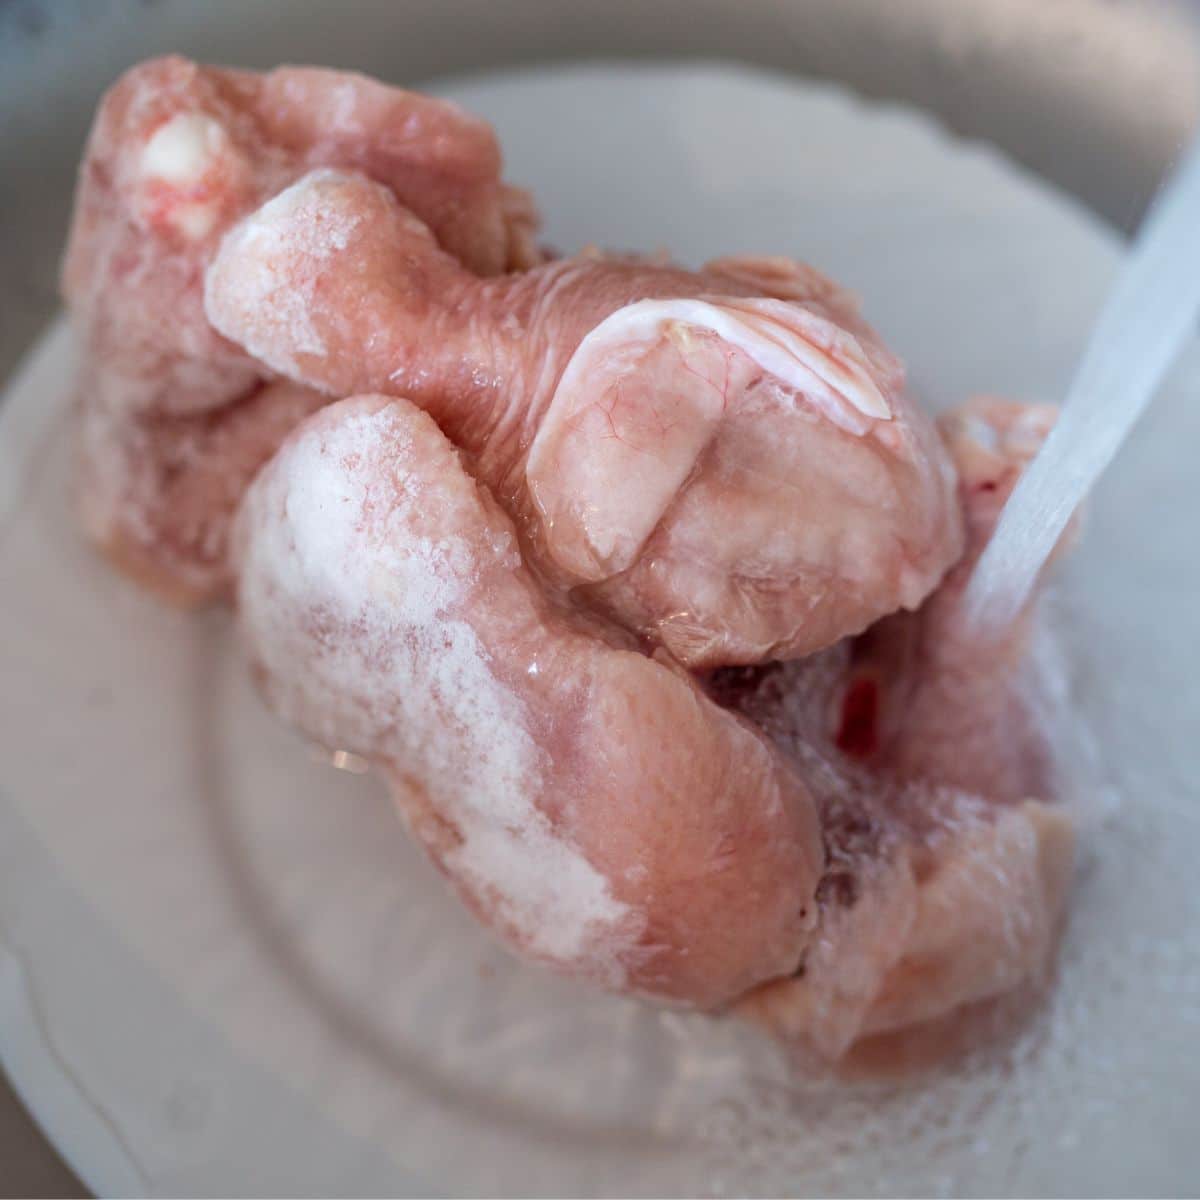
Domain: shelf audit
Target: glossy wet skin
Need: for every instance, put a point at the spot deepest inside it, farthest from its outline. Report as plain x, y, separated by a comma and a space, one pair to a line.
560, 563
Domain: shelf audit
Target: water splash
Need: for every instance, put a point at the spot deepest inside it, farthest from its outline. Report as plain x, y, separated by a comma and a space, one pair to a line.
1147, 320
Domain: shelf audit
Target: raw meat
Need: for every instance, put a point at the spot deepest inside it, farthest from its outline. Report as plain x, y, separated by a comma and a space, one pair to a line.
588, 801
159, 491
641, 586
178, 153
607, 817
725, 460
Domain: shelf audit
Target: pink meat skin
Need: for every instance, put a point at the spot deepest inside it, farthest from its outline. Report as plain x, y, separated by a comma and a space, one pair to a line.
177, 154
639, 585
725, 461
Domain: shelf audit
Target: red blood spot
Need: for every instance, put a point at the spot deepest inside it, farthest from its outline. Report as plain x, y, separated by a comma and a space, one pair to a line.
858, 733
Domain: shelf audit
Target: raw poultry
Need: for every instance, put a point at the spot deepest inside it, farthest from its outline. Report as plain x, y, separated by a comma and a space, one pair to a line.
637, 583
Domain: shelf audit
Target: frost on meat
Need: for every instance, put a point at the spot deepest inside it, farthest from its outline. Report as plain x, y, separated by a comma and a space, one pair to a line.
638, 584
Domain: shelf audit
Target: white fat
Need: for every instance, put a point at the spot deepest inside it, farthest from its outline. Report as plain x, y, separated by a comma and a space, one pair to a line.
769, 326
181, 150
343, 532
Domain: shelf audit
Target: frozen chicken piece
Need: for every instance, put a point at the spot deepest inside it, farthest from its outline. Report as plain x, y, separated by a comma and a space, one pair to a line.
159, 491
640, 585
590, 803
947, 861
725, 461
180, 152
177, 154
602, 812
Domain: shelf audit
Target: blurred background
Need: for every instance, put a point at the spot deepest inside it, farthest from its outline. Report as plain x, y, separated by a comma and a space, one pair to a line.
1094, 95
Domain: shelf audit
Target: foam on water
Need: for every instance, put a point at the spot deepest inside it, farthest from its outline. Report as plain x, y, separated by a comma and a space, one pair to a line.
1148, 319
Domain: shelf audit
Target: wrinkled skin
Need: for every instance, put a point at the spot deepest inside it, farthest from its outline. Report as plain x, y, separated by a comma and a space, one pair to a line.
732, 832
726, 460
544, 576
176, 155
